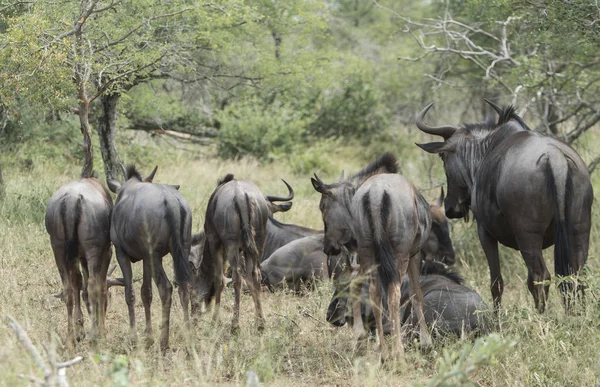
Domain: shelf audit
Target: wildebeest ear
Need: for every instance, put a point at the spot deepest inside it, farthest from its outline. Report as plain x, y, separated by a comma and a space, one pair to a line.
176, 186
113, 185
433, 147
319, 186
280, 207
151, 175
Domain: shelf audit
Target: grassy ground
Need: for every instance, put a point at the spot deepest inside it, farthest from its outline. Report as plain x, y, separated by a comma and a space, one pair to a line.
298, 347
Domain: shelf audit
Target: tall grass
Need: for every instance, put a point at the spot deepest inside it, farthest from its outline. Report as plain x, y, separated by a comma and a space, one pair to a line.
298, 346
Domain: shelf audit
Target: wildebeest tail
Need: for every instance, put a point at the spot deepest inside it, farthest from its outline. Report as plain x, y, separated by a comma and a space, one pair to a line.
70, 230
560, 186
384, 254
245, 211
177, 226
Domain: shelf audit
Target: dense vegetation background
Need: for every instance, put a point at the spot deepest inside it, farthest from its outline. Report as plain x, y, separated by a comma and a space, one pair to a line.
270, 89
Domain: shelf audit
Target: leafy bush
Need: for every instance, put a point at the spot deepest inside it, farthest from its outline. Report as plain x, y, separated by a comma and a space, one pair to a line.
263, 131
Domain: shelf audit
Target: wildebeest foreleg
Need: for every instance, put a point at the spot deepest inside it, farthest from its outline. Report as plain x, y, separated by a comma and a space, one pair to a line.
125, 265
165, 291
490, 249
375, 295
147, 298
360, 333
253, 283
416, 295
184, 298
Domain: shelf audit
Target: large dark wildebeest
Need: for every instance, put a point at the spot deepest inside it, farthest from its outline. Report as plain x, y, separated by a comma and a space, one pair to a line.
526, 191
234, 228
149, 221
78, 221
380, 215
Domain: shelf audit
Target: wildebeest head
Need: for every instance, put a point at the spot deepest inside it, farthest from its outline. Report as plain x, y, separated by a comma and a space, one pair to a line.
439, 245
132, 175
462, 149
336, 199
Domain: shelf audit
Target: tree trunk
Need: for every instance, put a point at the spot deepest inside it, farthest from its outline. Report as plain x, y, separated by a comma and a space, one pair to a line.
84, 121
107, 128
2, 191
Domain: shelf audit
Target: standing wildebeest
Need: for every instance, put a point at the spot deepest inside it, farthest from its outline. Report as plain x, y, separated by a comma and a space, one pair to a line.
385, 219
78, 221
526, 191
148, 221
234, 228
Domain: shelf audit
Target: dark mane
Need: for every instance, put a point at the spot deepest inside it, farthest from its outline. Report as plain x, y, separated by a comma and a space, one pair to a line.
433, 267
131, 171
225, 179
508, 113
386, 163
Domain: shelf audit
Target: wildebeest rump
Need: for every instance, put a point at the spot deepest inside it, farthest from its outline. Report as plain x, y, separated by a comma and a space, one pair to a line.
298, 262
383, 217
149, 221
526, 191
78, 221
234, 228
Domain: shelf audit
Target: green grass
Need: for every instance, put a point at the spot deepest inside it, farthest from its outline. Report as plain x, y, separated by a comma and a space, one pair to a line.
298, 346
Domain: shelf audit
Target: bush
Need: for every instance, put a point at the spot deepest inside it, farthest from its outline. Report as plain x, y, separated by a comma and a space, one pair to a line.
252, 128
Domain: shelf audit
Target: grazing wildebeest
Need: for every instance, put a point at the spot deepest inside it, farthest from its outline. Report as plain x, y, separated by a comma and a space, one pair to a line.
298, 262
383, 217
234, 228
148, 221
78, 221
526, 191
439, 245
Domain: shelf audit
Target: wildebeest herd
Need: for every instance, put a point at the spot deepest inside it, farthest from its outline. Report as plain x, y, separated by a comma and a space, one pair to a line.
525, 190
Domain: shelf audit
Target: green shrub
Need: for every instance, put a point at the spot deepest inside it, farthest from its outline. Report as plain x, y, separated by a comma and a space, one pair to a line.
252, 128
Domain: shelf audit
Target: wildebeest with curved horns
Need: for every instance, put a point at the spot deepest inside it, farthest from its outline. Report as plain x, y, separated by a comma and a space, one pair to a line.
526, 191
235, 228
78, 221
148, 221
383, 217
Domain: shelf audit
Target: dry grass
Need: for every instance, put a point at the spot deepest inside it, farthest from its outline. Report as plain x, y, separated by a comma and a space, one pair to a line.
298, 346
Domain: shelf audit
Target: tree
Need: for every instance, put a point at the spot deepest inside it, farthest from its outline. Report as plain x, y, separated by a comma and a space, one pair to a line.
541, 55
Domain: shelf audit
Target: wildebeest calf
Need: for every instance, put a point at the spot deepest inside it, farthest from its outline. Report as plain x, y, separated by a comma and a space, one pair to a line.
78, 221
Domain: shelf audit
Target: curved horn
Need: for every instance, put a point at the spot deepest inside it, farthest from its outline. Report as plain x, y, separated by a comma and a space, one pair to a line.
497, 108
282, 199
444, 131
319, 180
151, 175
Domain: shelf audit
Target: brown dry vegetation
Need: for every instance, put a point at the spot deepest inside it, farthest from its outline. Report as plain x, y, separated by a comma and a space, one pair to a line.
298, 346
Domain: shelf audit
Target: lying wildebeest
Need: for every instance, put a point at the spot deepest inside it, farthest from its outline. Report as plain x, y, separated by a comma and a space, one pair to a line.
78, 221
234, 228
437, 248
386, 220
526, 191
148, 221
303, 260
449, 306
298, 262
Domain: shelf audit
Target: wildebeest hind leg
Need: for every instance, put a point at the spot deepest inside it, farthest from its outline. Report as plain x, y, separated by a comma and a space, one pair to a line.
416, 295
538, 276
76, 286
375, 294
165, 291
95, 284
233, 256
253, 283
394, 296
125, 265
146, 293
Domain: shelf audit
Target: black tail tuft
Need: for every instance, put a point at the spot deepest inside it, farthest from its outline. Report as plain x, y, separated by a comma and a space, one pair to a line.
225, 179
562, 242
183, 272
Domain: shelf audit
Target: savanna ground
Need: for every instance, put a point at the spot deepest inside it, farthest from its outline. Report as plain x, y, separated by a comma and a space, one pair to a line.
298, 347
